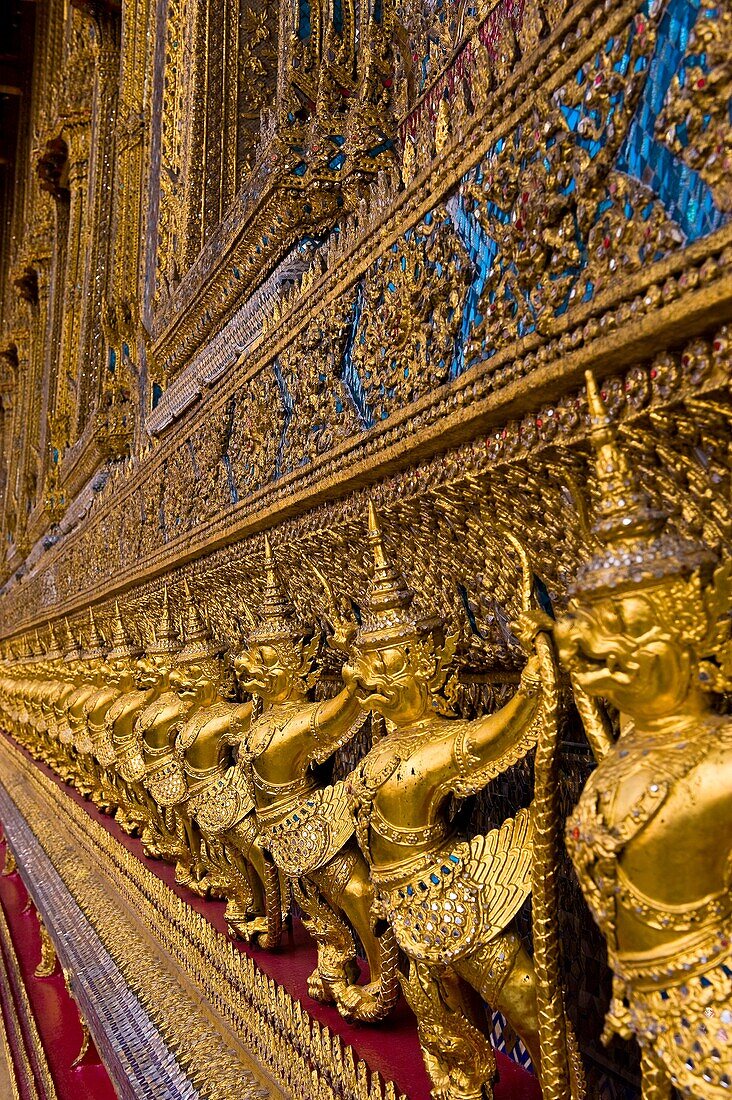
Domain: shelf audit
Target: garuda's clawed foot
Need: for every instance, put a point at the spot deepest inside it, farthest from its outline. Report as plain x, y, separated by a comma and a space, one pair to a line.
251, 929
319, 989
183, 876
359, 1002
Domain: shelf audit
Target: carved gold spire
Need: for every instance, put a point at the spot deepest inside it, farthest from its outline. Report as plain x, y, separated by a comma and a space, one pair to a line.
198, 641
637, 546
387, 615
95, 646
53, 652
277, 621
72, 650
123, 646
623, 509
165, 637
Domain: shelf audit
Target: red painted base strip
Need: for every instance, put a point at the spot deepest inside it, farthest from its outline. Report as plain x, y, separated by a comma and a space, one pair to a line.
54, 1011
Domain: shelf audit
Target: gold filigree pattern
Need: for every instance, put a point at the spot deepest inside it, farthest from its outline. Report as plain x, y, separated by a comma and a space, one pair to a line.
300, 485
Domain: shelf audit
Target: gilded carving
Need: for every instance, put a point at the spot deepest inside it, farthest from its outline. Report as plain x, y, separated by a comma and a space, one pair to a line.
359, 257
307, 829
451, 902
694, 121
648, 630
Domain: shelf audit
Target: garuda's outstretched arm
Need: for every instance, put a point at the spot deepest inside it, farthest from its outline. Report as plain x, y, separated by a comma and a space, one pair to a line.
488, 746
334, 722
595, 720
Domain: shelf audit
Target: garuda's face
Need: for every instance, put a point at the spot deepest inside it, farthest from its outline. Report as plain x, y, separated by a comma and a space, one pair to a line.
149, 674
120, 674
619, 648
193, 681
266, 671
386, 681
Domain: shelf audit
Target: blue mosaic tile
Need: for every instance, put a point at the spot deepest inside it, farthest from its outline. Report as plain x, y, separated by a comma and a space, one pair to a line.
684, 194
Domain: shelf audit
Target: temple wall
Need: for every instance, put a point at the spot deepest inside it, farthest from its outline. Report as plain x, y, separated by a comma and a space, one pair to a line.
268, 264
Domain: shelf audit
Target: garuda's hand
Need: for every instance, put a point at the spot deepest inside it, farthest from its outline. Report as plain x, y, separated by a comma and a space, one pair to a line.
528, 625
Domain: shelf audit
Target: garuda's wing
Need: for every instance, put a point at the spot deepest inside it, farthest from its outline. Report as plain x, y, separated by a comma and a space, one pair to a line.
500, 862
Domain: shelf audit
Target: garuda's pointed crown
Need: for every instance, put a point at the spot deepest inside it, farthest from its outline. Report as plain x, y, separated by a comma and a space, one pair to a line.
123, 645
53, 653
95, 647
277, 621
636, 545
165, 641
72, 649
199, 643
387, 616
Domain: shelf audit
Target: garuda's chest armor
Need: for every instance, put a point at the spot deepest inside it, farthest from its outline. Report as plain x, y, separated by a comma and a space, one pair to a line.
77, 730
163, 772
63, 702
128, 752
675, 998
302, 825
455, 894
112, 743
218, 797
89, 726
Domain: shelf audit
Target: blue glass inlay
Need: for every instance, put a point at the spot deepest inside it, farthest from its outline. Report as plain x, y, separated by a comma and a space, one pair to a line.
482, 251
288, 409
684, 194
303, 19
349, 375
338, 15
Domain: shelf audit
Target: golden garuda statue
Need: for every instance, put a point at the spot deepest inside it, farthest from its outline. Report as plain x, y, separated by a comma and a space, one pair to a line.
195, 673
651, 836
76, 731
46, 687
450, 899
70, 675
16, 688
119, 679
306, 828
122, 745
153, 676
219, 806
